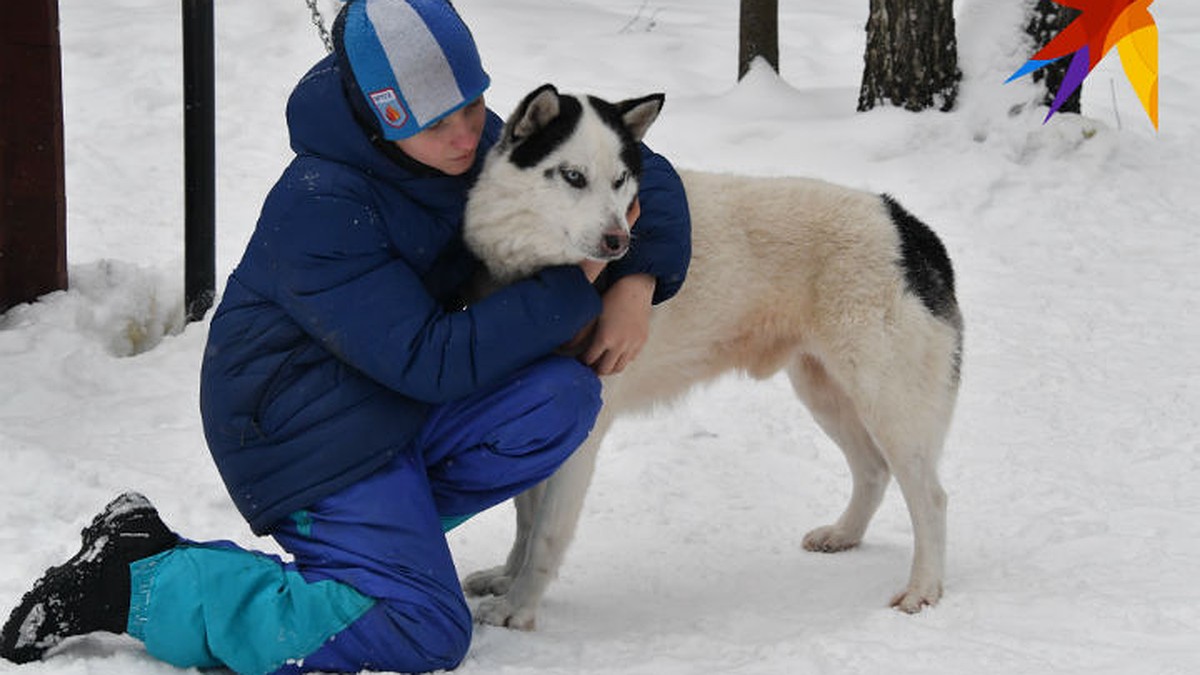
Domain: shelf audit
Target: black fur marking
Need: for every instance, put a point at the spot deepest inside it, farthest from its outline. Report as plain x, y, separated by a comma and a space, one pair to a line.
531, 151
927, 269
631, 153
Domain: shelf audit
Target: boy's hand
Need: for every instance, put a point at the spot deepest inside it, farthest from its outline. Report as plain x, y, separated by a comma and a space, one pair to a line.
617, 337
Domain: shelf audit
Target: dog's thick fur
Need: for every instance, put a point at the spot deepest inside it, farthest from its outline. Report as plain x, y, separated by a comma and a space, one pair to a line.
843, 290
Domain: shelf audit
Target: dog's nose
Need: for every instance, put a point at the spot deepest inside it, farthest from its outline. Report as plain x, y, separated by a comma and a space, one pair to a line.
615, 243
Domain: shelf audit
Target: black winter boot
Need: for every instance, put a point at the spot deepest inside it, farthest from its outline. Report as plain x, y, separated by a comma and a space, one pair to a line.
89, 592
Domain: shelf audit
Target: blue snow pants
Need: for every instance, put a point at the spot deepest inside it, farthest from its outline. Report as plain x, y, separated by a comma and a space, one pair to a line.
372, 585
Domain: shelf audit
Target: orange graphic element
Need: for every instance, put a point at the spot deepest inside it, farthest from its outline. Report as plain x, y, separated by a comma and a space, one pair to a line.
1103, 24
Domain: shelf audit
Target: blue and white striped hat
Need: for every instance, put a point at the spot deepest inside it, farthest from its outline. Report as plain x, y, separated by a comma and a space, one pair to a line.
414, 61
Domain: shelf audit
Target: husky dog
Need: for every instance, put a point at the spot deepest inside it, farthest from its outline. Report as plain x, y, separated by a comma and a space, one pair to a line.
843, 290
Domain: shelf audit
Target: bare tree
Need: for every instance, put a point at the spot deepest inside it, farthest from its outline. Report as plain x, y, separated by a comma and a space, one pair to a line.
758, 34
912, 55
1046, 20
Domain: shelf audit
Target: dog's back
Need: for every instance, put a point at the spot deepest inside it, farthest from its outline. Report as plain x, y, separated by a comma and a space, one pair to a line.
784, 266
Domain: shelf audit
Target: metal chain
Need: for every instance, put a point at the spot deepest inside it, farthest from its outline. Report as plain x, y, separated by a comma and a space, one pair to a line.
319, 22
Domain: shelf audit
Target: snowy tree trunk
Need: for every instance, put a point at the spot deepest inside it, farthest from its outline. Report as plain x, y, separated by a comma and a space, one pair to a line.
1046, 20
912, 55
758, 34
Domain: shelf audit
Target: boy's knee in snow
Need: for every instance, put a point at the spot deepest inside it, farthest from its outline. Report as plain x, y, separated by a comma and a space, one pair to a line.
407, 638
446, 641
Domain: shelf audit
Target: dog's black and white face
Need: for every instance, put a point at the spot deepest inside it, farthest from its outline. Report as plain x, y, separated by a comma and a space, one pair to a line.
556, 188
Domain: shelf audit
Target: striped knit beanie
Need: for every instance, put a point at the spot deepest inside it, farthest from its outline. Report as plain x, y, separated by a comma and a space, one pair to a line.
414, 61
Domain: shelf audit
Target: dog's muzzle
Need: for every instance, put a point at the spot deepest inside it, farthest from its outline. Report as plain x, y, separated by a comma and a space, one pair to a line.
614, 242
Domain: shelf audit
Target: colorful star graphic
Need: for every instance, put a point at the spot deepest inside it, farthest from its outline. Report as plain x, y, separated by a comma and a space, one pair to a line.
1102, 24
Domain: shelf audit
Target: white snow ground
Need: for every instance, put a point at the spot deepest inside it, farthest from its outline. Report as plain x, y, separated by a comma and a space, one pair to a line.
1073, 466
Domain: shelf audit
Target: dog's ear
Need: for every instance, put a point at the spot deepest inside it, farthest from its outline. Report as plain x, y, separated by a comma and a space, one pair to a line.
535, 112
640, 113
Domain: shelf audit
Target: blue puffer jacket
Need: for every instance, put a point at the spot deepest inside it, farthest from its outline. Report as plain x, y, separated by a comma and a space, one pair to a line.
339, 327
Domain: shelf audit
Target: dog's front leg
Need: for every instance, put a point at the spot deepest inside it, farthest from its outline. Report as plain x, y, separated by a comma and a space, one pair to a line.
496, 580
551, 529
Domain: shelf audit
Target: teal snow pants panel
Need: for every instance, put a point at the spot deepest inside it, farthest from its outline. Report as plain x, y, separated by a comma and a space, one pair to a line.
372, 585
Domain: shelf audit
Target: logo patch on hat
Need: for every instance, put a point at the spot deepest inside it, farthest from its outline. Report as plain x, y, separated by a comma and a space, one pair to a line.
389, 108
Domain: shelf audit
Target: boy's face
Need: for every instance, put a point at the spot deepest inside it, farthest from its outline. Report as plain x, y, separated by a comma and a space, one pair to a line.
451, 143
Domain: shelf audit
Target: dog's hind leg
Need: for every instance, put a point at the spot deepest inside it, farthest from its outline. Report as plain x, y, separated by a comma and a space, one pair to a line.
917, 475
837, 415
551, 528
896, 441
909, 417
912, 446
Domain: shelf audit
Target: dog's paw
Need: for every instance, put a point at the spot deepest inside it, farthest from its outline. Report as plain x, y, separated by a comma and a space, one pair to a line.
829, 539
495, 581
915, 598
498, 612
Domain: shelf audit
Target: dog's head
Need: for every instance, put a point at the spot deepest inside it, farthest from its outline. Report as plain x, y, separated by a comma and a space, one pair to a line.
556, 187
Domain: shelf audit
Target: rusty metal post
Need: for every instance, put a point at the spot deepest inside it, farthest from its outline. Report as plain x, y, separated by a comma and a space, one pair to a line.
33, 214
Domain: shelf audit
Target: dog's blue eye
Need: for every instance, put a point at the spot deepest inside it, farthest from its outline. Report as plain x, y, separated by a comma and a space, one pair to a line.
574, 177
620, 180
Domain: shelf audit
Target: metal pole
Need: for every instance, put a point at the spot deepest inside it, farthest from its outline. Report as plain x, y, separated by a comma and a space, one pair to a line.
199, 150
33, 232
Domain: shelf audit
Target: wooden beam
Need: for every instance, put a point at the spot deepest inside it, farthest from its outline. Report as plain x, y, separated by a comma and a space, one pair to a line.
33, 251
